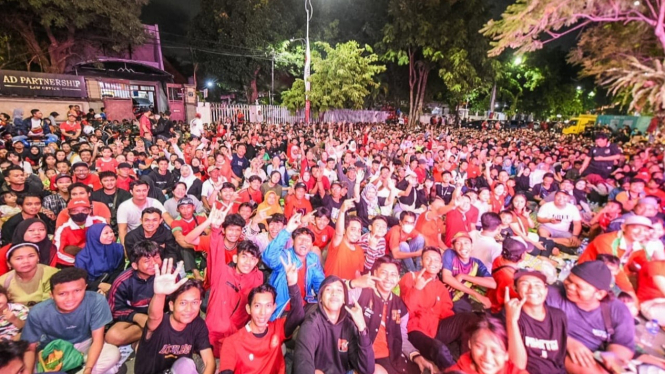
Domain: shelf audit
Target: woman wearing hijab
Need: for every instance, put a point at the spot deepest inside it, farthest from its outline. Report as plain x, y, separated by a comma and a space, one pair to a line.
33, 231
101, 257
368, 205
194, 185
271, 205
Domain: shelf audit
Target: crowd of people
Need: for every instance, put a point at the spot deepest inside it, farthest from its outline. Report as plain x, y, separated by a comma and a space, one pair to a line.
238, 247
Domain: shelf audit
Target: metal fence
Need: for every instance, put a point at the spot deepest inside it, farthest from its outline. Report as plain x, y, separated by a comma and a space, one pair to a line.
255, 113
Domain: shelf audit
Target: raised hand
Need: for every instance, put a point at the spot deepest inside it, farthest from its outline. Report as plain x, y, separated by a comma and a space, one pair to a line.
308, 218
365, 281
261, 215
165, 280
294, 222
290, 269
360, 175
356, 313
513, 307
348, 204
421, 282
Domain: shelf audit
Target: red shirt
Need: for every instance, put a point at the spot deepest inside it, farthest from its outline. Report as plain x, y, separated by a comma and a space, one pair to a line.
646, 287
504, 277
465, 365
204, 246
123, 183
472, 171
322, 238
344, 261
456, 221
245, 353
70, 128
427, 306
110, 165
144, 126
293, 204
247, 194
395, 236
431, 226
91, 180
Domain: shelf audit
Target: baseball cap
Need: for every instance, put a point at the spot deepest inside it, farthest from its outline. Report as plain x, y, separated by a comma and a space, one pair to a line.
529, 272
601, 135
512, 247
80, 164
78, 202
460, 235
185, 201
300, 185
124, 165
638, 220
211, 168
61, 176
596, 273
648, 201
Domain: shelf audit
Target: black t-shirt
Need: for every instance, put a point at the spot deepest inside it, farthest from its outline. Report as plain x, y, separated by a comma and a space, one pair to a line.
603, 168
163, 182
107, 200
545, 341
166, 345
445, 192
333, 207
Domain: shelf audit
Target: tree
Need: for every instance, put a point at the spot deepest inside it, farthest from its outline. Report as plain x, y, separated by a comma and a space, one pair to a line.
342, 77
621, 40
439, 35
235, 39
55, 31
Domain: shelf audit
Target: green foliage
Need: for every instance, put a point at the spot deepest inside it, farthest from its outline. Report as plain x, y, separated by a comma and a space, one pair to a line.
342, 77
53, 31
620, 40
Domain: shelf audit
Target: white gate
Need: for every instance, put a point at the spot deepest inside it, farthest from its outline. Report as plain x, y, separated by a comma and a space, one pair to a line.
255, 113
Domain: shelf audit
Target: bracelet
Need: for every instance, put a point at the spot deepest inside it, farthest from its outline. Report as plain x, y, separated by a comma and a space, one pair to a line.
415, 356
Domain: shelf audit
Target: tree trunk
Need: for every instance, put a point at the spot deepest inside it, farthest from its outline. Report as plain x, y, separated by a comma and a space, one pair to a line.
424, 74
412, 83
253, 90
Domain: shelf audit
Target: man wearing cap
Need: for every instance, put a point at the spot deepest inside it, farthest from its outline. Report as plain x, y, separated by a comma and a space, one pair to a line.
627, 244
347, 180
187, 221
125, 177
58, 201
297, 203
465, 275
82, 174
537, 333
70, 238
596, 322
212, 184
600, 159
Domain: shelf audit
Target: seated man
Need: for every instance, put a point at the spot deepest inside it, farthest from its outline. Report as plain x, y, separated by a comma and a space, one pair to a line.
387, 318
555, 219
595, 320
485, 247
405, 243
185, 222
465, 275
131, 293
262, 338
306, 261
74, 315
153, 229
537, 333
70, 238
334, 338
252, 231
170, 339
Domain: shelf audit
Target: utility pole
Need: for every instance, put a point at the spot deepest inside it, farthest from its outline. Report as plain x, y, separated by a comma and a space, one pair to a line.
308, 11
272, 82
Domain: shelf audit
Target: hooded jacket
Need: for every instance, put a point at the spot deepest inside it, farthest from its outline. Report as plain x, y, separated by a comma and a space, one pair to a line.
272, 258
334, 348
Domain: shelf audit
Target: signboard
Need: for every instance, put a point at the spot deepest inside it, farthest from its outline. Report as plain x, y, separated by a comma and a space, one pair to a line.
25, 83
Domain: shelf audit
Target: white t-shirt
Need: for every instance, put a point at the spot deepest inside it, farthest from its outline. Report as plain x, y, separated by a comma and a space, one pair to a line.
130, 214
567, 215
485, 248
196, 127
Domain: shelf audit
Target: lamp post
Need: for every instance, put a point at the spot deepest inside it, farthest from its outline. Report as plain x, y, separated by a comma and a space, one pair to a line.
308, 11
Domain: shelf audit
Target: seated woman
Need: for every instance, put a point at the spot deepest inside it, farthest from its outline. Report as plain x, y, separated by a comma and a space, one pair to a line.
194, 185
33, 231
28, 283
488, 350
368, 204
101, 257
271, 206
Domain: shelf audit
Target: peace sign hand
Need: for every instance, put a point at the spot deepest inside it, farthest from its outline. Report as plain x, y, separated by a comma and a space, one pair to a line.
356, 313
290, 269
294, 223
165, 280
513, 307
421, 282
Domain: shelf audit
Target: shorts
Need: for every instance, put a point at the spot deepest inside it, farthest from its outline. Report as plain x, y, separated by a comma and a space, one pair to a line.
556, 234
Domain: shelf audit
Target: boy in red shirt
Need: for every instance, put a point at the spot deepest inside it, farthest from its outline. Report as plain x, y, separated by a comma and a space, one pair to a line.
297, 203
106, 162
503, 272
404, 242
257, 348
82, 174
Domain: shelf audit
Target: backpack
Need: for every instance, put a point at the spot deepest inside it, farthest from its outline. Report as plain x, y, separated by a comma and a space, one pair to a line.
59, 355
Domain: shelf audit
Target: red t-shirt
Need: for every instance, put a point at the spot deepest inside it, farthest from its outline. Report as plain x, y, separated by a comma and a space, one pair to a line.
457, 221
431, 227
70, 128
204, 246
465, 365
473, 171
646, 287
246, 195
395, 236
504, 276
344, 261
102, 165
123, 183
246, 353
324, 237
91, 180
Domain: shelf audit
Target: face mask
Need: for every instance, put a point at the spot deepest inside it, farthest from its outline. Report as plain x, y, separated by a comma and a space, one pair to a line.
79, 217
407, 228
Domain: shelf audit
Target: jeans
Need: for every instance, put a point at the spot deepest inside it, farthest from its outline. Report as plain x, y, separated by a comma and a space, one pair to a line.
412, 246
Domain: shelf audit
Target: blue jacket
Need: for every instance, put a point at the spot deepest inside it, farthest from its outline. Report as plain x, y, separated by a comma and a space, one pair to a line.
27, 125
313, 277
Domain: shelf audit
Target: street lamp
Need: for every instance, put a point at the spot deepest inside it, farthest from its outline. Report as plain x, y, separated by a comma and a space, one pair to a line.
308, 11
209, 84
579, 88
518, 60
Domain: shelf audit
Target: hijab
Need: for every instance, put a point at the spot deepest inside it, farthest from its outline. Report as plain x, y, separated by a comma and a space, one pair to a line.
272, 209
187, 180
18, 116
98, 258
46, 252
372, 205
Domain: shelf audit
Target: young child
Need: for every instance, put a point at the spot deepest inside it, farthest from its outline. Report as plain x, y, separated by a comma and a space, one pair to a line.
106, 162
8, 206
373, 243
12, 316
